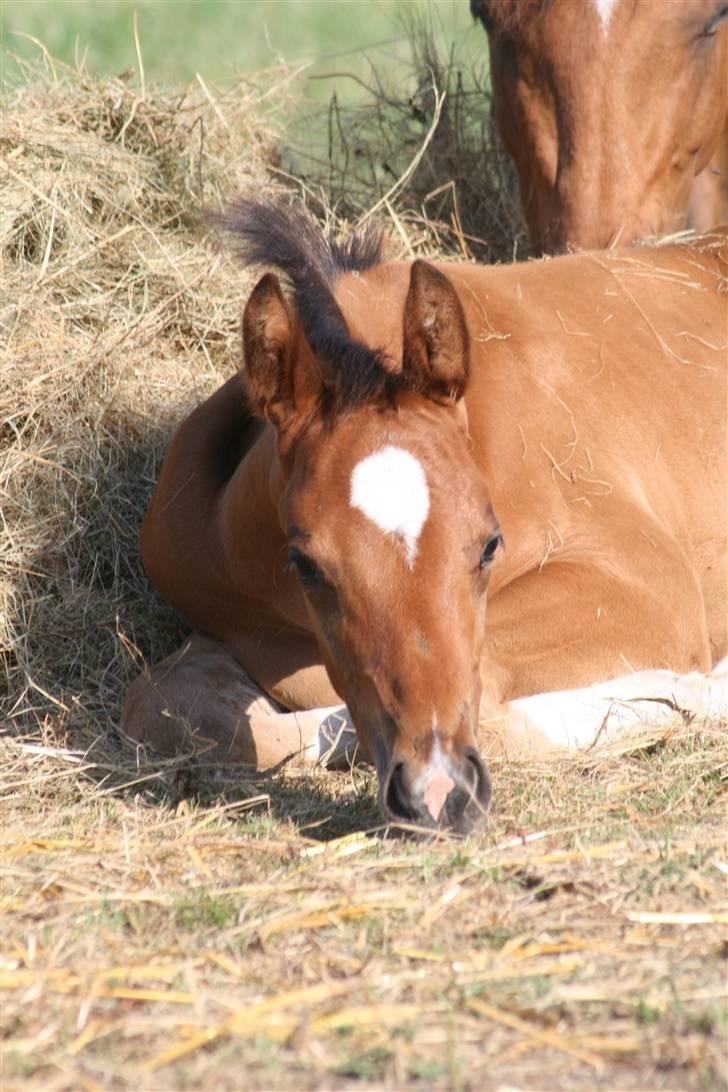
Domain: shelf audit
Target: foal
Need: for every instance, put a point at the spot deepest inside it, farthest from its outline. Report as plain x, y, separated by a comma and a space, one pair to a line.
408, 439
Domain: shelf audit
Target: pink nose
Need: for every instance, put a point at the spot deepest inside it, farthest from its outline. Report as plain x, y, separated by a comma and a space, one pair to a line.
435, 791
450, 793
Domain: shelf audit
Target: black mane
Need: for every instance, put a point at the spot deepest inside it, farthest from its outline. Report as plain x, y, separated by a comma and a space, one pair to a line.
287, 238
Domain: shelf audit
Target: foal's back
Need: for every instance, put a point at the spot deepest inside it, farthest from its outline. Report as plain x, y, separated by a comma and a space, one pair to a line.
598, 401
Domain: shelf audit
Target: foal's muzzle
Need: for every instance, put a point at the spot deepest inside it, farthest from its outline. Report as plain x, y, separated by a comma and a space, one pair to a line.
455, 799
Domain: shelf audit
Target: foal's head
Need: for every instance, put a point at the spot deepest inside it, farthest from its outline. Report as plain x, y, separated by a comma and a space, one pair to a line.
386, 515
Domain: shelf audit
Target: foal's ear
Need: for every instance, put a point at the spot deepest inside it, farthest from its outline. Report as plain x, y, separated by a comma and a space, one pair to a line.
436, 345
267, 346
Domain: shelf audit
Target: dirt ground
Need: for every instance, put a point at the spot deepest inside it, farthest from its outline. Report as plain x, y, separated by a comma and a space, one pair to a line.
268, 934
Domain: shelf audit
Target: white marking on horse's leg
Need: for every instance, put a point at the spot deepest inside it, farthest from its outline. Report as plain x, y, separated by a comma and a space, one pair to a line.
326, 736
312, 737
605, 9
721, 668
574, 718
390, 488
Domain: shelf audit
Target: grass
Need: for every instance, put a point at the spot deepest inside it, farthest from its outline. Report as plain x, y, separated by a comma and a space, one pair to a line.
171, 935
222, 39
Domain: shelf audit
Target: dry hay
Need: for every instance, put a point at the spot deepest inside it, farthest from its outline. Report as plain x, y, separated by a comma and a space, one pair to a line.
422, 151
579, 943
118, 313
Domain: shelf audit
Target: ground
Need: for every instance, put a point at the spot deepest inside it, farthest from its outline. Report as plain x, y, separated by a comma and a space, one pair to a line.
179, 931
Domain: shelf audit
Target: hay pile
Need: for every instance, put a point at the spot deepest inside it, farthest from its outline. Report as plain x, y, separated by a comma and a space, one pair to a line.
118, 313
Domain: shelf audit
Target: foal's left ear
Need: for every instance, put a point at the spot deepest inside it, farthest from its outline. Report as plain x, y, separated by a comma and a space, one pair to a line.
436, 357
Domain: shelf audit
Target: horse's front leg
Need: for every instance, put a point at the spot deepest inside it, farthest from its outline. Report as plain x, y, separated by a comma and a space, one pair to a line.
201, 701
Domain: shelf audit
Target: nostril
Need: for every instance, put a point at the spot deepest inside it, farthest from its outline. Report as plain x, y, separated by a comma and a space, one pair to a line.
480, 787
395, 797
464, 807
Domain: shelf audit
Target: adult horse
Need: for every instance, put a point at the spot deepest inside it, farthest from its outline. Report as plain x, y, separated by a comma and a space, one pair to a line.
408, 436
615, 113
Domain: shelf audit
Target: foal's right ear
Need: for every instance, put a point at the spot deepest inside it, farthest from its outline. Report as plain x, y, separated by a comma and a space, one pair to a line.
267, 344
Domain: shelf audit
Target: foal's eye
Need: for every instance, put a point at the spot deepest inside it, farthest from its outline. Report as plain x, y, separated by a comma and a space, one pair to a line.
488, 552
308, 573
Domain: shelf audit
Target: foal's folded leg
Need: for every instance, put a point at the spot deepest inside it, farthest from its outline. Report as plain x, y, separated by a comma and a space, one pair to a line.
200, 701
569, 719
576, 623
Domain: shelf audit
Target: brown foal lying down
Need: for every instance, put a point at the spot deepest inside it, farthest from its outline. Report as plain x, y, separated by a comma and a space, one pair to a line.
407, 440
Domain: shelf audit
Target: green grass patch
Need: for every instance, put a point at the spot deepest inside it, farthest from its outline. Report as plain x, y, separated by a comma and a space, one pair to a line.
221, 39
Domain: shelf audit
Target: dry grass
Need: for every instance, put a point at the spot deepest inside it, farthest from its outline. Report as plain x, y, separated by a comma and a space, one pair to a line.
118, 313
170, 927
423, 152
267, 942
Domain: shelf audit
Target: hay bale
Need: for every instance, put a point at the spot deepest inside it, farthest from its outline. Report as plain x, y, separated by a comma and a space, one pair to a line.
118, 312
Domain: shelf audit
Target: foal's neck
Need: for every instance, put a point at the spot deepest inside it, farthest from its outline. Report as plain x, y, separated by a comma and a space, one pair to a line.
253, 541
